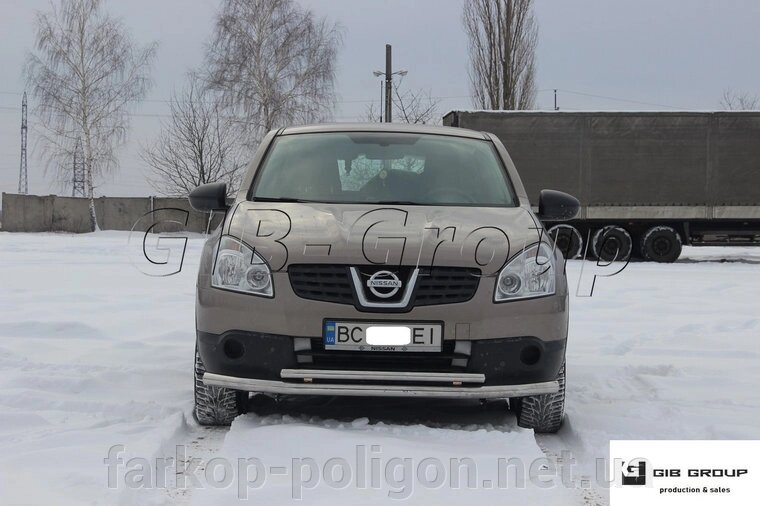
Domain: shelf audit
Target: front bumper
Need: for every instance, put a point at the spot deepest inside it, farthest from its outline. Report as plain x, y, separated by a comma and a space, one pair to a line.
277, 364
386, 387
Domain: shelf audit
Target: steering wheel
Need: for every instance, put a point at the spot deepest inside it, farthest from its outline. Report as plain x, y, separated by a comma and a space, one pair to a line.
448, 194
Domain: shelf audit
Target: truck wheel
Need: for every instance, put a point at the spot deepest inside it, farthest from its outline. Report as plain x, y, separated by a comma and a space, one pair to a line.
612, 243
661, 244
542, 413
568, 240
215, 405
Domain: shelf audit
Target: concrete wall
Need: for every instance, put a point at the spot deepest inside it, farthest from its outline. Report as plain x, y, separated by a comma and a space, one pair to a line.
51, 213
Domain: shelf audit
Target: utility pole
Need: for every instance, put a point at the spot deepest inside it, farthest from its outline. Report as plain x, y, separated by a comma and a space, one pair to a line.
388, 83
555, 101
388, 75
23, 182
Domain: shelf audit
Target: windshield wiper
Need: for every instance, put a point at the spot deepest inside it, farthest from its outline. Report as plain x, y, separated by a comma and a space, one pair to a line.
394, 202
305, 201
282, 199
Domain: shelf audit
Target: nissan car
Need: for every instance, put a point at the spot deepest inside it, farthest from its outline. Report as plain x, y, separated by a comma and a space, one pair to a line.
382, 260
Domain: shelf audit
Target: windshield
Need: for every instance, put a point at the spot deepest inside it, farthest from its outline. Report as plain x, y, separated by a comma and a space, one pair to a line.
383, 168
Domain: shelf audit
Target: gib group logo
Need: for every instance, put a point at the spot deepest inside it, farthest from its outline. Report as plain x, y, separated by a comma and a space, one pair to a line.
720, 473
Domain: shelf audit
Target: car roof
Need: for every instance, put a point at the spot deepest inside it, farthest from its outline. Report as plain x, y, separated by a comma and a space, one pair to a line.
383, 127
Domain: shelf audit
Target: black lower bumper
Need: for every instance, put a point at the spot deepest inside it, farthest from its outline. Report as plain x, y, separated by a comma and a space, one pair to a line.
503, 361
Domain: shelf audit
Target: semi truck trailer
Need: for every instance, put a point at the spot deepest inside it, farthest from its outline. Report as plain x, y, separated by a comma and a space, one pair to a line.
648, 182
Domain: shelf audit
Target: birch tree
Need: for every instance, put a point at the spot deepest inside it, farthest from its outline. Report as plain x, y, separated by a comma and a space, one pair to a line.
197, 145
273, 64
503, 36
84, 73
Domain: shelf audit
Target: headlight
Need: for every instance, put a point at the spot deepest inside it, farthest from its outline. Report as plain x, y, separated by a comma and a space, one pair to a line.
529, 274
239, 269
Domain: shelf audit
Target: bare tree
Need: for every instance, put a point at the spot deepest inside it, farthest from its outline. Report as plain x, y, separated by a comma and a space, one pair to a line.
197, 145
739, 101
503, 36
273, 63
372, 113
414, 106
409, 106
84, 73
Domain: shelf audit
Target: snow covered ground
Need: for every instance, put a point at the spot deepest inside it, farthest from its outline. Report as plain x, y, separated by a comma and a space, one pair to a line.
96, 356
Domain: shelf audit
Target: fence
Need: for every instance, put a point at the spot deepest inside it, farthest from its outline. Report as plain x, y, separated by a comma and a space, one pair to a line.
52, 213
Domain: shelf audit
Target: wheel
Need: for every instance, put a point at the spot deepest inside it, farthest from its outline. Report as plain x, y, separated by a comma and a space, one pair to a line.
661, 244
542, 413
215, 405
568, 240
612, 243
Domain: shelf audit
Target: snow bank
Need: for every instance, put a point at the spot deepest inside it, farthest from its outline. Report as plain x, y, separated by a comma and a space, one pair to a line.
94, 354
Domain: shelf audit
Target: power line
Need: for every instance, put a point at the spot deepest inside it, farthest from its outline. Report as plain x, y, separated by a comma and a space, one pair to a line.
170, 101
615, 99
369, 101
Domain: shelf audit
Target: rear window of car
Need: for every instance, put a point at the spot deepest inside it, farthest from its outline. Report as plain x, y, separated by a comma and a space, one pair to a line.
383, 167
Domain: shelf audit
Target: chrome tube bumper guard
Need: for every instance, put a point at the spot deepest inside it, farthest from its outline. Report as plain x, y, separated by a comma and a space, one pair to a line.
451, 385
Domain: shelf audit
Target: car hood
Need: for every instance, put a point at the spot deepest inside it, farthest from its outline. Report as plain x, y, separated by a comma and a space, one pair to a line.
352, 234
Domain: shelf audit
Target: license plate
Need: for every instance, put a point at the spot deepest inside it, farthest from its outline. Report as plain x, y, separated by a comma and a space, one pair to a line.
367, 336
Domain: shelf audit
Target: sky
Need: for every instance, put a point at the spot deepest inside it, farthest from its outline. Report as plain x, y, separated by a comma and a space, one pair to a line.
598, 54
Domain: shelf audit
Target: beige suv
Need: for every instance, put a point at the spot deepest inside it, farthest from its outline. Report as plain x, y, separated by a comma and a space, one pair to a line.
382, 260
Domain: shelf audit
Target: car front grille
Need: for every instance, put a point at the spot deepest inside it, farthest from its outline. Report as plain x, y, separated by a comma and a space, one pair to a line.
328, 283
332, 283
446, 285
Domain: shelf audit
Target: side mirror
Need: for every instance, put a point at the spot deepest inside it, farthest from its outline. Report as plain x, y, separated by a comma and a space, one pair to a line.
557, 206
209, 197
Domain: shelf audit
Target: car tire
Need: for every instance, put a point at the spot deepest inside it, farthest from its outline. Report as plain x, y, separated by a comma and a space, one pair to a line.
661, 244
215, 405
612, 243
542, 413
567, 239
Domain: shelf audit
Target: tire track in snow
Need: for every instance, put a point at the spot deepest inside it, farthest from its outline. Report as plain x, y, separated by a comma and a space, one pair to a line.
587, 494
202, 444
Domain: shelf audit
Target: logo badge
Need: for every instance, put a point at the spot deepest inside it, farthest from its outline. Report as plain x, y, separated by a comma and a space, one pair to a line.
635, 474
384, 284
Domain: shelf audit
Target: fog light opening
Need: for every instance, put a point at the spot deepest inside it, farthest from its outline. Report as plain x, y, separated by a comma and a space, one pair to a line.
530, 355
233, 348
